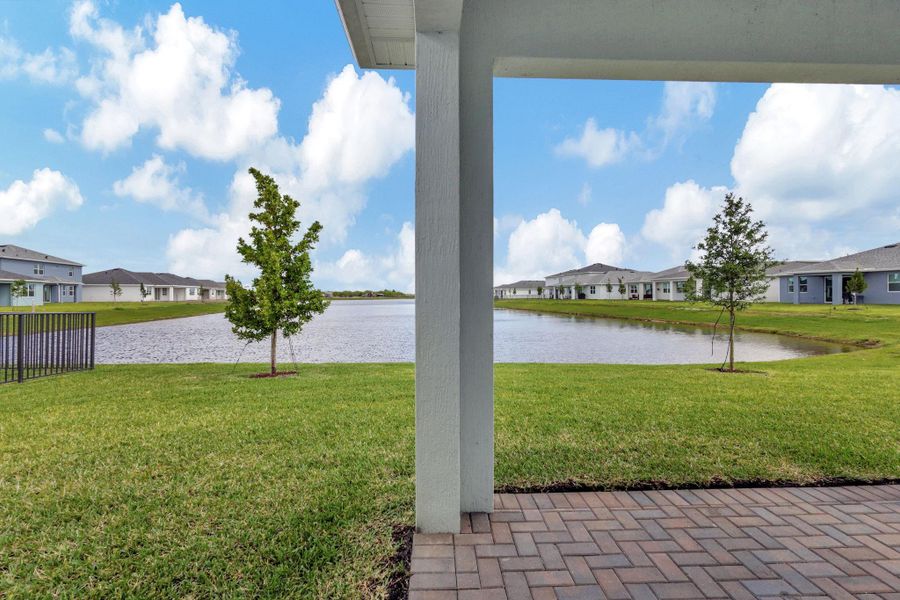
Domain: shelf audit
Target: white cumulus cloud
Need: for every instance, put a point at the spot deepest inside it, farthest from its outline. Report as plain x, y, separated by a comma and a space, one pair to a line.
605, 244
51, 66
686, 212
599, 147
23, 204
179, 81
156, 183
394, 269
818, 164
363, 125
53, 136
685, 104
551, 243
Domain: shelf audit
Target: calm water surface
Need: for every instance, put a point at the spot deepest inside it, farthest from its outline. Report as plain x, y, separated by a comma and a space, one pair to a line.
384, 331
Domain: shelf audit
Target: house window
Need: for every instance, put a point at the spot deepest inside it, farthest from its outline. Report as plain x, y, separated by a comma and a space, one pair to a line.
804, 284
71, 273
593, 290
192, 291
38, 269
679, 287
790, 285
632, 288
30, 290
164, 292
894, 282
666, 288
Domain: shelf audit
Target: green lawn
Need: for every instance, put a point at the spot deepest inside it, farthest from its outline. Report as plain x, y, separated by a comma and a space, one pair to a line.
122, 313
855, 325
196, 481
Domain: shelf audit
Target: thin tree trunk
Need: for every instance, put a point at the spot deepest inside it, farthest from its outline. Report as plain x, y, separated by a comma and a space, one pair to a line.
731, 344
272, 356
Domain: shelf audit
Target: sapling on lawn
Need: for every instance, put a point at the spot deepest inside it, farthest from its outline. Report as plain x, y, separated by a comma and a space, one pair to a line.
733, 261
115, 289
857, 285
18, 289
282, 297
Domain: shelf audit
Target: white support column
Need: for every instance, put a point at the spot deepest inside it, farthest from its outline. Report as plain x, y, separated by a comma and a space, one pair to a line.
437, 283
454, 270
476, 273
837, 288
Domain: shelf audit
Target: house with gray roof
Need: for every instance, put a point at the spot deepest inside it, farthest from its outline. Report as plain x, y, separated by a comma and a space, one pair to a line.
669, 283
158, 287
526, 288
47, 278
825, 282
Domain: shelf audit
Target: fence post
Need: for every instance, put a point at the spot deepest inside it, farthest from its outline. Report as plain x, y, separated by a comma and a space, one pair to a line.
20, 348
93, 337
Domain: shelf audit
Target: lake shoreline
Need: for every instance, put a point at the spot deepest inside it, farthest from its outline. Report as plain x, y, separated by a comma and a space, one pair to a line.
857, 344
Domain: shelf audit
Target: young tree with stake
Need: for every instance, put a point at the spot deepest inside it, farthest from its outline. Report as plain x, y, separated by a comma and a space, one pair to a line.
282, 297
733, 261
18, 289
857, 285
115, 289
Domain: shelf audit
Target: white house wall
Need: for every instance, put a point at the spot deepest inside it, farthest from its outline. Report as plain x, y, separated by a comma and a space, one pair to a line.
102, 293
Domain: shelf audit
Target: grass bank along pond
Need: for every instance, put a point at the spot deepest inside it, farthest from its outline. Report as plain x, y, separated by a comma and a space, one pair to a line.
384, 331
194, 480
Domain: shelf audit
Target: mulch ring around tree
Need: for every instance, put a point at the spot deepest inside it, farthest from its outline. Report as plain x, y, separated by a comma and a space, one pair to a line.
276, 374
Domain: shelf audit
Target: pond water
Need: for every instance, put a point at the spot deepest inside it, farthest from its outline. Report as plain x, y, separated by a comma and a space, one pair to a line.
384, 331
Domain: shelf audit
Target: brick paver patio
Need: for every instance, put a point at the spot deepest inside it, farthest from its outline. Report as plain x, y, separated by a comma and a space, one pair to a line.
835, 542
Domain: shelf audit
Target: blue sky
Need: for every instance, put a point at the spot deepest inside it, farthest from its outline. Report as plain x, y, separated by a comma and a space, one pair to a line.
128, 127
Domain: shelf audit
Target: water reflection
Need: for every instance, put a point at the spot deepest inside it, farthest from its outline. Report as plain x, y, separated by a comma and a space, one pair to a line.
384, 331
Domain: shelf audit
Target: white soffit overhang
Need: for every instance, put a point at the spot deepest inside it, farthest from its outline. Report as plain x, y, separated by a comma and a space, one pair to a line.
381, 32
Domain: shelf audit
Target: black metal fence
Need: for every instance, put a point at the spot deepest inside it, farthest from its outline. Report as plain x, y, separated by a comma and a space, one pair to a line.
36, 345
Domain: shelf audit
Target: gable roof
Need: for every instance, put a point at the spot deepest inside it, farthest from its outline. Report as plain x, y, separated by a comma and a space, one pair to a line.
20, 253
126, 277
789, 266
678, 272
525, 284
121, 276
884, 258
594, 268
10, 276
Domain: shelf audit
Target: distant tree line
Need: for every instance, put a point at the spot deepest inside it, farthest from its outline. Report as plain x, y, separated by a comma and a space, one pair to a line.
370, 294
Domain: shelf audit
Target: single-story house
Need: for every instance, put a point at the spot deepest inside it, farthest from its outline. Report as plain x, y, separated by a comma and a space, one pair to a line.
158, 287
47, 278
826, 282
212, 290
669, 284
529, 288
773, 294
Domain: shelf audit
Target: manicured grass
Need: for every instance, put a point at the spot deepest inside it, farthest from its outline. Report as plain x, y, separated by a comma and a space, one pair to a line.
850, 324
196, 481
122, 313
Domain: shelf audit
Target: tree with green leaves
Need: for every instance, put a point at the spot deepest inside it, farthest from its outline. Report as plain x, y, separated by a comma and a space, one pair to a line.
857, 285
608, 287
200, 291
18, 289
115, 289
143, 291
540, 291
560, 290
621, 287
282, 297
734, 258
578, 290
